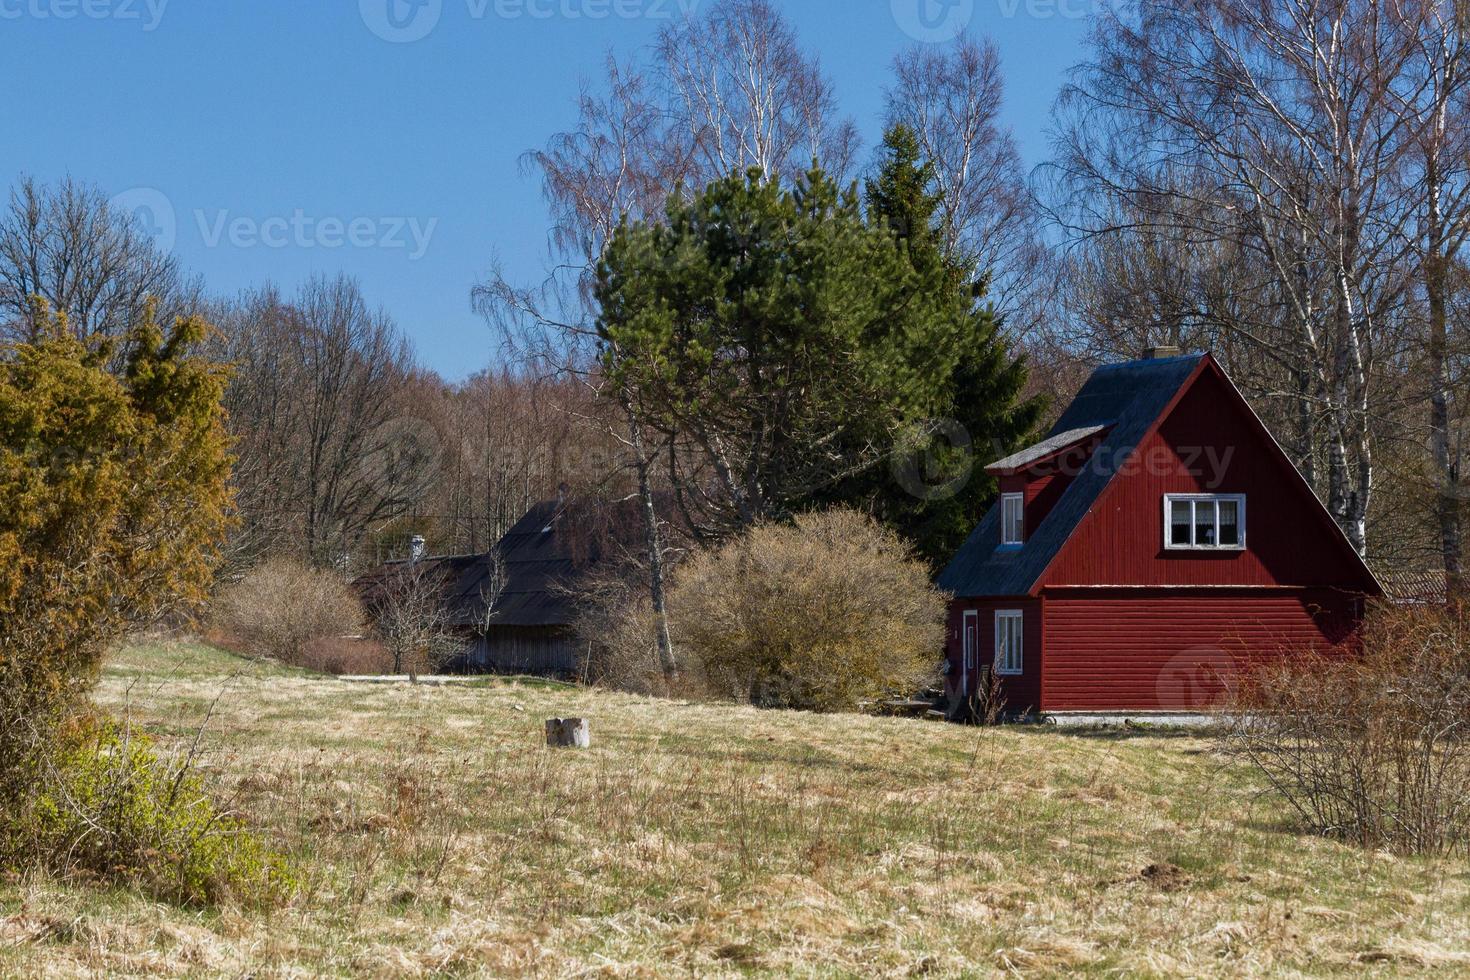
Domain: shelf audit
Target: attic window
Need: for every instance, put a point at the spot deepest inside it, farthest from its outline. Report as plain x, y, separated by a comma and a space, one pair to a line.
1204, 522
1012, 520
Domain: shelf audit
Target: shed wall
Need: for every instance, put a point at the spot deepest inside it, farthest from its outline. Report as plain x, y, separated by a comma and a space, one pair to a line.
526, 650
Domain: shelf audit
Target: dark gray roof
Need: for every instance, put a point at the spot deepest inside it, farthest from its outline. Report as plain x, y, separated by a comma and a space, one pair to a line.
1129, 398
540, 560
1046, 447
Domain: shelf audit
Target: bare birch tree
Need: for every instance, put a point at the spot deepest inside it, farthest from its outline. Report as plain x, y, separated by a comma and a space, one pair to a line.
1275, 128
1435, 96
744, 95
952, 97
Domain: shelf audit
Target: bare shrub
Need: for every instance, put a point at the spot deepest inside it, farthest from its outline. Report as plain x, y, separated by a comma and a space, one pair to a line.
1372, 748
346, 655
824, 614
280, 607
615, 623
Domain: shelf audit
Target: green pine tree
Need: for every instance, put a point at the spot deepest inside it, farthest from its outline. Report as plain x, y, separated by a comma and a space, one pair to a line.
777, 335
935, 489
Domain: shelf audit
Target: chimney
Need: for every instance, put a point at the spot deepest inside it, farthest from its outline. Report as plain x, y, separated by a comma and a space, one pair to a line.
416, 548
1160, 352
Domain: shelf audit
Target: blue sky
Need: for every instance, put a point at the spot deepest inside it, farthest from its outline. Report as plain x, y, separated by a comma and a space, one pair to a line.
293, 138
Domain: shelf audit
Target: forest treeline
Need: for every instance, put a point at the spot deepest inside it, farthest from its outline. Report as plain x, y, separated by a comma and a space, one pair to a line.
1284, 184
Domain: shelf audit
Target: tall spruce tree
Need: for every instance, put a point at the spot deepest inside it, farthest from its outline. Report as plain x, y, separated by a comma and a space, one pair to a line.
777, 337
935, 489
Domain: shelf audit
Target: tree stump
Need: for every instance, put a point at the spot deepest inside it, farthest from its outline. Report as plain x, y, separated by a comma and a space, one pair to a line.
568, 733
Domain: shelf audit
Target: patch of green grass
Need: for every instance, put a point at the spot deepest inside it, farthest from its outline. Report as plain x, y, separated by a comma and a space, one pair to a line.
520, 680
182, 659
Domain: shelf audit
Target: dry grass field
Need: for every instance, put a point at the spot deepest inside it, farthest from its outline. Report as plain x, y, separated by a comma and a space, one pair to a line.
436, 836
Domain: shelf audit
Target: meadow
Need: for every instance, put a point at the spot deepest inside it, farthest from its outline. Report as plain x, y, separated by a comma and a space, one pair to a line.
435, 835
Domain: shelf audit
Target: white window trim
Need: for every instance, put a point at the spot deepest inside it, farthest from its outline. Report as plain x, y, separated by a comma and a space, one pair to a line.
1005, 499
1171, 498
1001, 667
968, 654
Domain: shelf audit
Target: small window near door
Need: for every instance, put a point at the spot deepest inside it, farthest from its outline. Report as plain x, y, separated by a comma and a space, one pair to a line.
1008, 642
1012, 519
1204, 522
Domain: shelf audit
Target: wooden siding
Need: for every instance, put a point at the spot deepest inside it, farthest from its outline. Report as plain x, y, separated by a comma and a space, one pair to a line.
526, 650
1209, 443
1141, 650
1023, 691
1043, 485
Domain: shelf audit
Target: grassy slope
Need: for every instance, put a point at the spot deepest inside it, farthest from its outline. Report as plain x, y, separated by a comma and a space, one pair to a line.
442, 838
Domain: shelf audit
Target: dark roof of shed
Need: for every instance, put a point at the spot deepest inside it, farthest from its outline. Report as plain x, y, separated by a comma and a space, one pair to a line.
1414, 587
539, 564
1125, 398
542, 556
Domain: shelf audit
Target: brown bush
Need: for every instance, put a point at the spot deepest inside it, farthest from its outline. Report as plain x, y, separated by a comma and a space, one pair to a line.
615, 625
282, 607
1372, 748
347, 655
821, 614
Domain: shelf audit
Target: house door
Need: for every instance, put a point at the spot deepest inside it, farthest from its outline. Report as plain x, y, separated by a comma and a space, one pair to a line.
969, 644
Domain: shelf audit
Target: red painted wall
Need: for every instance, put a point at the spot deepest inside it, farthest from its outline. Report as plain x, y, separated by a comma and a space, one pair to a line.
1141, 650
1022, 691
1206, 445
1044, 484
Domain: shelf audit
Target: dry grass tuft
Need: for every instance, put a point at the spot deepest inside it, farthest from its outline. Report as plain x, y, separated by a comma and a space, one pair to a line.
439, 837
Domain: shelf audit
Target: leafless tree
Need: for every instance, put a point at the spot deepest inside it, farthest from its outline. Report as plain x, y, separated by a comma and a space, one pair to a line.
951, 97
68, 245
728, 89
1274, 130
621, 161
1434, 97
744, 94
507, 439
413, 619
328, 445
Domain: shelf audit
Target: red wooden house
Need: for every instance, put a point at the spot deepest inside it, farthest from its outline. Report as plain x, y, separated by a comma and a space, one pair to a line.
1156, 541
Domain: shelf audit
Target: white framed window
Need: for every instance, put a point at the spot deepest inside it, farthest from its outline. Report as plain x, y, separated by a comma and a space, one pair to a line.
1204, 521
1009, 641
1012, 519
